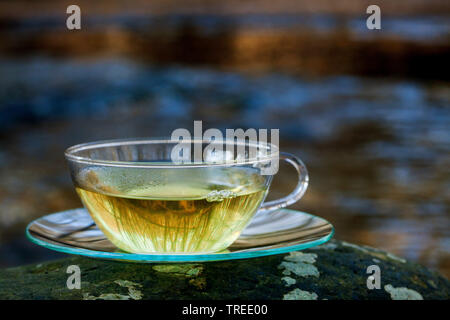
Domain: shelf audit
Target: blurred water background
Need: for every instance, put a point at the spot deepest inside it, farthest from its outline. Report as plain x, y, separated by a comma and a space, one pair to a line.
367, 111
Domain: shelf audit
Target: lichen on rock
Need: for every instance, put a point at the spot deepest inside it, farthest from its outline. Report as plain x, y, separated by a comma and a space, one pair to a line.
298, 294
289, 281
106, 296
300, 264
402, 293
133, 293
297, 256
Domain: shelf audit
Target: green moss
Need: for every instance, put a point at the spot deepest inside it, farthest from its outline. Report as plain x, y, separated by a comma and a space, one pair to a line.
188, 270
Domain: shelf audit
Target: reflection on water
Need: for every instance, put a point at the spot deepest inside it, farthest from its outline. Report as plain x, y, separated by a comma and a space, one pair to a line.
377, 150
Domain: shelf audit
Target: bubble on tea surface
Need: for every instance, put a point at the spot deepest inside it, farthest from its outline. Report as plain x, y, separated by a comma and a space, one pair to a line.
221, 195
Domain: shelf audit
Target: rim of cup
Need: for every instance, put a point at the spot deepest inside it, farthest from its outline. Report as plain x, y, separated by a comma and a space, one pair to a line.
264, 152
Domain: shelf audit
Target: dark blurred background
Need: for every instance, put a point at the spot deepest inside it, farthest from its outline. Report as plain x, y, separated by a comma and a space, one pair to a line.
367, 110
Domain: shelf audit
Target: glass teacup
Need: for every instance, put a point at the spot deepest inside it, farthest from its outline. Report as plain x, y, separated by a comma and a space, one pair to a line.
145, 200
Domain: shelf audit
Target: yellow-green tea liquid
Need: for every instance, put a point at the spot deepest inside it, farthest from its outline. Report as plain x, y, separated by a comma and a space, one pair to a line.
187, 216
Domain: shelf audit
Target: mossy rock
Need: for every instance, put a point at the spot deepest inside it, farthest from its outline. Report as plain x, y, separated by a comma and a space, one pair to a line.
336, 270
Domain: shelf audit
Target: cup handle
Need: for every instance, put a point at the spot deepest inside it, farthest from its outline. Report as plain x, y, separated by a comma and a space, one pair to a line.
299, 190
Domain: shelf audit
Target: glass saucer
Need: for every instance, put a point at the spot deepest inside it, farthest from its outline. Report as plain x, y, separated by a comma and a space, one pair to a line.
281, 231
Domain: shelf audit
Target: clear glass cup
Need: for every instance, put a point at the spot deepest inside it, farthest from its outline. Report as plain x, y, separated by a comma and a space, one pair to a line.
146, 199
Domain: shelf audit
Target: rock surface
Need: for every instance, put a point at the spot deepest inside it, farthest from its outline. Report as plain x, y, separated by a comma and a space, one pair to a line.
335, 270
